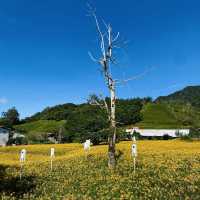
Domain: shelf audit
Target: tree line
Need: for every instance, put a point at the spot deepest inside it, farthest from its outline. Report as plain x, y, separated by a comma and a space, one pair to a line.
81, 121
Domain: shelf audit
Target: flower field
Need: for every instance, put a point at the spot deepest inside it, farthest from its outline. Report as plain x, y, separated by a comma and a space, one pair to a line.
164, 170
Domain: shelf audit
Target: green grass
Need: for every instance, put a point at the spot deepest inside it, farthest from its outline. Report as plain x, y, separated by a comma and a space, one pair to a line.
46, 126
158, 116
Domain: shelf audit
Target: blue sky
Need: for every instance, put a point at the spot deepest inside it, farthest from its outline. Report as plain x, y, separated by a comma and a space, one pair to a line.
44, 48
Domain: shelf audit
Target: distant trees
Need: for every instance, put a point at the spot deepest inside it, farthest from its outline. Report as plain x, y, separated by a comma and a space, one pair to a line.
185, 113
87, 122
190, 94
90, 121
194, 132
10, 117
75, 123
128, 111
59, 112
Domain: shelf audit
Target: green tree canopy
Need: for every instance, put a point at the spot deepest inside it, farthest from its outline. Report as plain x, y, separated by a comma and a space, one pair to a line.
10, 117
86, 122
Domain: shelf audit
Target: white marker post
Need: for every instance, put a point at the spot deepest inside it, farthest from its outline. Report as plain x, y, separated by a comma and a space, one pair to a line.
134, 154
86, 146
22, 159
52, 156
133, 138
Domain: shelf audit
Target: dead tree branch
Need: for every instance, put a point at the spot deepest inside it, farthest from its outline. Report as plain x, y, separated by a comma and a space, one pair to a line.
123, 81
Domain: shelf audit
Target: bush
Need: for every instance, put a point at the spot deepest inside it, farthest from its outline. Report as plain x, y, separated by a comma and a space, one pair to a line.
88, 122
18, 141
38, 138
166, 137
186, 137
194, 133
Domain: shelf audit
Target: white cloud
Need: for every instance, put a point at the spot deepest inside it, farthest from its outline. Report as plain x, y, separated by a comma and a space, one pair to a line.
3, 100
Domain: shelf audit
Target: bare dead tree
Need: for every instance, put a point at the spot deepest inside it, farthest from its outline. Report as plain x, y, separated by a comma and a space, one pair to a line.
108, 42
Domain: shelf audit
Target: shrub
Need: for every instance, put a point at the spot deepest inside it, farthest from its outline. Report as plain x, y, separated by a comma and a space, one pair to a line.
166, 137
18, 141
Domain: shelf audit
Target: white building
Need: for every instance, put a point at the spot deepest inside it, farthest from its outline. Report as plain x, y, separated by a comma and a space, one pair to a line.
4, 136
158, 132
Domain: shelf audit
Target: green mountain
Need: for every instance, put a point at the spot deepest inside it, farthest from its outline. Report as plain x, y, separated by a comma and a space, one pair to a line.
190, 94
39, 126
58, 112
79, 119
158, 115
178, 110
37, 131
169, 115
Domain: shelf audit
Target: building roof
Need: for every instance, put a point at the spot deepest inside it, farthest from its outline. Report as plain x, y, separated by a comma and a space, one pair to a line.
158, 132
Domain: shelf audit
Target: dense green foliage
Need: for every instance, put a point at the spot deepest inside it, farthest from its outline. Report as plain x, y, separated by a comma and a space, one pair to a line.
37, 131
40, 126
59, 112
190, 94
86, 122
128, 111
9, 118
78, 122
194, 133
89, 121
185, 113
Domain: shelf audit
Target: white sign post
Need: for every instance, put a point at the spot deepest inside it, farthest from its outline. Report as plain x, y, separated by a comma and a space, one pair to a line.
22, 159
52, 156
86, 146
134, 154
134, 139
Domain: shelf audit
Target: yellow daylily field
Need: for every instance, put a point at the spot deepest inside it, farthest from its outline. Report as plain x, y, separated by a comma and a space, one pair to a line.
164, 170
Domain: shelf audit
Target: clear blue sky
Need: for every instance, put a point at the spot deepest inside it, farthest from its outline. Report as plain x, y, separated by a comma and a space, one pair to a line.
44, 45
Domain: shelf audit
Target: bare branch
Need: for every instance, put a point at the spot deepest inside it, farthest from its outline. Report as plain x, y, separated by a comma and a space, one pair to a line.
106, 106
101, 35
133, 77
113, 60
92, 57
105, 24
116, 37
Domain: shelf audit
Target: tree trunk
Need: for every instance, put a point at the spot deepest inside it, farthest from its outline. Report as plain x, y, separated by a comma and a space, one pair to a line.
112, 135
60, 132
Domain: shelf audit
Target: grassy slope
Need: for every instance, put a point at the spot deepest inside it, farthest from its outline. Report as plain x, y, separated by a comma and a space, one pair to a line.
47, 126
158, 116
155, 115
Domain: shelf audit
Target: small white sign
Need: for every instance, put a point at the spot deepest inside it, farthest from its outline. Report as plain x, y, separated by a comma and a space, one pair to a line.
134, 139
86, 145
23, 155
52, 153
134, 150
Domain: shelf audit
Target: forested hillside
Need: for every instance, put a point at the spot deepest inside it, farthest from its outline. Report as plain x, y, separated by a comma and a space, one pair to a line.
78, 122
190, 94
58, 112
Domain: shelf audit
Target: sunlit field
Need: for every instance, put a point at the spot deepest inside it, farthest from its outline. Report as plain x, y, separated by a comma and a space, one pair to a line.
164, 170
